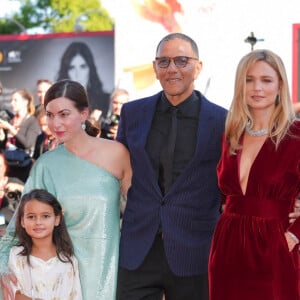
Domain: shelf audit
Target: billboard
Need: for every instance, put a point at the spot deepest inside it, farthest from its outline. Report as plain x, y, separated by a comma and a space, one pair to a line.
87, 57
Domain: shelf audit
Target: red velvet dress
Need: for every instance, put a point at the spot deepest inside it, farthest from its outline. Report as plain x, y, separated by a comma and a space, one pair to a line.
249, 258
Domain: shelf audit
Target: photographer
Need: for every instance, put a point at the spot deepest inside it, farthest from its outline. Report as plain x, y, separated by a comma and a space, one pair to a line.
22, 132
6, 116
109, 126
10, 193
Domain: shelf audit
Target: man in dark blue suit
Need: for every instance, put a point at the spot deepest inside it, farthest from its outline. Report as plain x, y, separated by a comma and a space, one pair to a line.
174, 201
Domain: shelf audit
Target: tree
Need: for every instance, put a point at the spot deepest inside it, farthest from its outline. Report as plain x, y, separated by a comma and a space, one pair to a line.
58, 16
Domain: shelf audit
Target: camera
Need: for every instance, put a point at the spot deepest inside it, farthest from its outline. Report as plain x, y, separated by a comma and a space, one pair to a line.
108, 123
112, 120
5, 115
13, 198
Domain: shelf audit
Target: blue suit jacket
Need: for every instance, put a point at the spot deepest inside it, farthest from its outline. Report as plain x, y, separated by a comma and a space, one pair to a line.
189, 211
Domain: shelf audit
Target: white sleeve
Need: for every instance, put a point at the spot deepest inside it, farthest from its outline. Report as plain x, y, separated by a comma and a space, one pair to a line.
19, 267
76, 290
12, 265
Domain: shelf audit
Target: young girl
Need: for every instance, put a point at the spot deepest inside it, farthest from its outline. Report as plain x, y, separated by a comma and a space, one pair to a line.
43, 261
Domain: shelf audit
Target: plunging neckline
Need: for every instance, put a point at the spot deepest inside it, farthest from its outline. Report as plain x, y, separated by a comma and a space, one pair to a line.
239, 155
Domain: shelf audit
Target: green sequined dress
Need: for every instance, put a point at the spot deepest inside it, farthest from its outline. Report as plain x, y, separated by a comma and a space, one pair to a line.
90, 197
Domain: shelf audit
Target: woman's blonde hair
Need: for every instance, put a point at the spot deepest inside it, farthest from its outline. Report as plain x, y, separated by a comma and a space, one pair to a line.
239, 114
26, 95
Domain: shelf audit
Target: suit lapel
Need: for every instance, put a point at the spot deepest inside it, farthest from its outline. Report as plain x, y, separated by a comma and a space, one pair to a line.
144, 125
206, 128
145, 119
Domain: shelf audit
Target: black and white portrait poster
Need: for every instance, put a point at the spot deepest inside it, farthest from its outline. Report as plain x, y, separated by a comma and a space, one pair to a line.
86, 57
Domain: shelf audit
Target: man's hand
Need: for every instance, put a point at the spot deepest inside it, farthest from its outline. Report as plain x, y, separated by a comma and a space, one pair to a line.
7, 291
294, 215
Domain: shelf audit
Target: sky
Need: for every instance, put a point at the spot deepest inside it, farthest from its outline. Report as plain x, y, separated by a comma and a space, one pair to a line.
8, 6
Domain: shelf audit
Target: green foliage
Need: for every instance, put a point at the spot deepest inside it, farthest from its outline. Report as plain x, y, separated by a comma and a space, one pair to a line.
58, 16
10, 26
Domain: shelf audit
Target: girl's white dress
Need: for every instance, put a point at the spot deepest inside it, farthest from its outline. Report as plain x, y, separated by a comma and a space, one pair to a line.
52, 279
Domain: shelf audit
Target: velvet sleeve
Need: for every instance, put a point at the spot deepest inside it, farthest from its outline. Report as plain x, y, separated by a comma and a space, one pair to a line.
294, 228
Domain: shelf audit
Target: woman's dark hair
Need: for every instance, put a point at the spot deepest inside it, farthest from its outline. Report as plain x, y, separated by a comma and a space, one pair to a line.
61, 238
75, 92
99, 99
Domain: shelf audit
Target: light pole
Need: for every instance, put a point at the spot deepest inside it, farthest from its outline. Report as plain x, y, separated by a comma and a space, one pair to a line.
21, 27
252, 40
78, 27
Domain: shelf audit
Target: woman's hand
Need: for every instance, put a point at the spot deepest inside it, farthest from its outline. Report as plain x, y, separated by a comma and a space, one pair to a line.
296, 213
4, 124
7, 291
2, 134
290, 241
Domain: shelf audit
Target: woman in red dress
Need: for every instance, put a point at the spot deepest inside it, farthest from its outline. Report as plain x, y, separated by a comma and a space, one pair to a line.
254, 253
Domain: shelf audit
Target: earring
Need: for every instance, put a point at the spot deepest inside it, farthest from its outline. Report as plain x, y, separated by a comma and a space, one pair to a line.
83, 126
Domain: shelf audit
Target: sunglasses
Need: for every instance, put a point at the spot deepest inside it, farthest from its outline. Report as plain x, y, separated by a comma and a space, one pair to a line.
179, 61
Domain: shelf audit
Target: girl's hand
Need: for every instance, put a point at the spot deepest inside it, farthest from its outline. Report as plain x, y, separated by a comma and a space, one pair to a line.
23, 297
7, 291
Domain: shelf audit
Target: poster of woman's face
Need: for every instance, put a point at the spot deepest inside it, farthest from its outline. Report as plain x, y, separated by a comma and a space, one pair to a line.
84, 57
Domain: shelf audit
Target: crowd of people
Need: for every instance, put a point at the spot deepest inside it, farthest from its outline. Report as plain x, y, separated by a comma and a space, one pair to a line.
211, 195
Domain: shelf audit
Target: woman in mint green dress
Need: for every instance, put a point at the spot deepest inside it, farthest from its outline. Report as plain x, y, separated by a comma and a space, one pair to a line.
86, 174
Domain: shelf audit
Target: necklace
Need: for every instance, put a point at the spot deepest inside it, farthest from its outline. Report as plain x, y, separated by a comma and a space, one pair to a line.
252, 132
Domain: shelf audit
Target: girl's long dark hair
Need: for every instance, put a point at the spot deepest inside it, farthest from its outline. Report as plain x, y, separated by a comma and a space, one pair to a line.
61, 238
